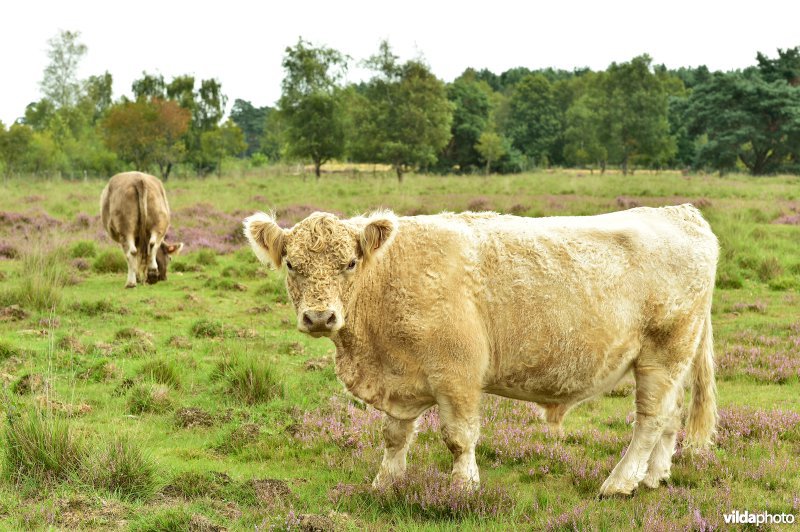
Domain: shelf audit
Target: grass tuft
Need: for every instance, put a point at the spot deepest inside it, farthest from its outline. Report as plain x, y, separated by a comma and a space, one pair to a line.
43, 275
204, 328
124, 469
251, 380
41, 447
149, 398
83, 249
162, 372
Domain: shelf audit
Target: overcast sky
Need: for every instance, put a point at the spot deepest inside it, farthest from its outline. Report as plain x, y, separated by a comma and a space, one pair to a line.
241, 43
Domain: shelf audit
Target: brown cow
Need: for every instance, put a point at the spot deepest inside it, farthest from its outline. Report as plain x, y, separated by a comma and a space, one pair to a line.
436, 310
135, 214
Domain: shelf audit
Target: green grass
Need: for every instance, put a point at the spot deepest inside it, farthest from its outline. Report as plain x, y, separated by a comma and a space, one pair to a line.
283, 445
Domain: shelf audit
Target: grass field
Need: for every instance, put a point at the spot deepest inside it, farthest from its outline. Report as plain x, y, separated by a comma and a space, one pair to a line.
195, 404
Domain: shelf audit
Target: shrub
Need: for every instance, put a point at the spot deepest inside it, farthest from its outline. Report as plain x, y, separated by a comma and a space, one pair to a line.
784, 283
162, 372
729, 279
769, 269
83, 249
94, 308
110, 262
8, 351
41, 447
149, 398
207, 329
205, 257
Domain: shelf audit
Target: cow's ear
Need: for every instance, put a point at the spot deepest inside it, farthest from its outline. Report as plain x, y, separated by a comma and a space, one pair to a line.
378, 234
265, 237
172, 249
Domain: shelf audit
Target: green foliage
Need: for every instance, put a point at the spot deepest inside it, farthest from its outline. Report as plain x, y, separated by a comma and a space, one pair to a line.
491, 147
471, 107
310, 103
534, 122
224, 141
204, 328
83, 249
402, 116
60, 83
110, 261
164, 520
746, 119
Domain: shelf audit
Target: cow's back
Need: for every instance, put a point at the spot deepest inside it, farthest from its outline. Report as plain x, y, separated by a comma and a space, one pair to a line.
120, 206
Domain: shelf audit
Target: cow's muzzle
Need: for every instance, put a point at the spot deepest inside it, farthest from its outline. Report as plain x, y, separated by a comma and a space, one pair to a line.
319, 322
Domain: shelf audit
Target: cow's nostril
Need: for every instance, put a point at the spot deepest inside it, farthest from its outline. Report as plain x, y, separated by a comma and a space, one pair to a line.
307, 320
331, 320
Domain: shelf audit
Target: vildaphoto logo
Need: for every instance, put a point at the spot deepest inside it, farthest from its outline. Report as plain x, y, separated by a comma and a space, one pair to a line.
763, 518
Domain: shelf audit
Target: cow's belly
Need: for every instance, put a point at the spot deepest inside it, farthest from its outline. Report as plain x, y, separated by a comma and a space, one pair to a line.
549, 374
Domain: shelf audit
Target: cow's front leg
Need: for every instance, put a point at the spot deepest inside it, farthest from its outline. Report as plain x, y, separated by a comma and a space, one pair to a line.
460, 420
398, 435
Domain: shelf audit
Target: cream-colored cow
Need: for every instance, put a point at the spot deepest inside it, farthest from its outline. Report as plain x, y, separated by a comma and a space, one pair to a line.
135, 214
436, 310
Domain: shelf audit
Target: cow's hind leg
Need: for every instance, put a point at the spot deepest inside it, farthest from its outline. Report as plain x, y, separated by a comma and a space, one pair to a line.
152, 267
398, 435
659, 373
129, 249
460, 417
660, 462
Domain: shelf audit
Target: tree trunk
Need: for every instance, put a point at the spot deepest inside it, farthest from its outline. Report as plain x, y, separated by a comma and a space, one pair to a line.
399, 169
488, 165
317, 166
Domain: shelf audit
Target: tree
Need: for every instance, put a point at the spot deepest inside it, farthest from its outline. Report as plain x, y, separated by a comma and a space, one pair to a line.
150, 86
470, 118
534, 123
60, 83
223, 142
491, 147
747, 119
252, 121
147, 132
14, 145
785, 67
310, 104
405, 116
633, 113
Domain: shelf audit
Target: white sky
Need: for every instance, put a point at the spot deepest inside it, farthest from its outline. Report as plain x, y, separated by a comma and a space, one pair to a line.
242, 43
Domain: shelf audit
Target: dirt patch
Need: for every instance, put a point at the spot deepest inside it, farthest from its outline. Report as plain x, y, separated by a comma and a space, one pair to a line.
68, 409
30, 383
316, 364
269, 490
13, 313
71, 344
191, 417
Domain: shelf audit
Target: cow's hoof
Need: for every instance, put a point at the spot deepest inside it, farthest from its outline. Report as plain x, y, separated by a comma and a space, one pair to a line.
653, 481
130, 285
383, 480
612, 488
467, 484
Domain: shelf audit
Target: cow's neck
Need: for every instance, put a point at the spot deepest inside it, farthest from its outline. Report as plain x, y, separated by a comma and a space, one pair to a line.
358, 362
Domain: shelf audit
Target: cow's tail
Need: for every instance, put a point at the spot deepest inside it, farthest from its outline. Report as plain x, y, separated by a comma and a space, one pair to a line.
141, 237
702, 420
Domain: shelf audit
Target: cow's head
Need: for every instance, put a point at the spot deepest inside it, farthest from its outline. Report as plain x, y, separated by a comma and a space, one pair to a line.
324, 257
164, 254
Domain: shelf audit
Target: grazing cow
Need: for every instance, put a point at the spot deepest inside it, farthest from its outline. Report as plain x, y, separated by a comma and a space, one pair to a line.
436, 310
135, 214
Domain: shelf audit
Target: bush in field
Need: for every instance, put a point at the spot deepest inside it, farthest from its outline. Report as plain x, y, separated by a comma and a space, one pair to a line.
41, 447
110, 261
205, 257
43, 275
207, 329
251, 380
162, 372
83, 249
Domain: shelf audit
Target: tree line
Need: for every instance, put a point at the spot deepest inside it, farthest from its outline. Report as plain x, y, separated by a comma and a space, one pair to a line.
632, 115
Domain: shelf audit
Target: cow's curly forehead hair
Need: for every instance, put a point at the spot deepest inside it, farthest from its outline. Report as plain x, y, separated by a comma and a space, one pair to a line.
322, 233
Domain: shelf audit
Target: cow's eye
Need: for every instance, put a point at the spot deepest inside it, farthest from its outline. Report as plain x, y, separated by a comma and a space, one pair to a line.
351, 266
289, 266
